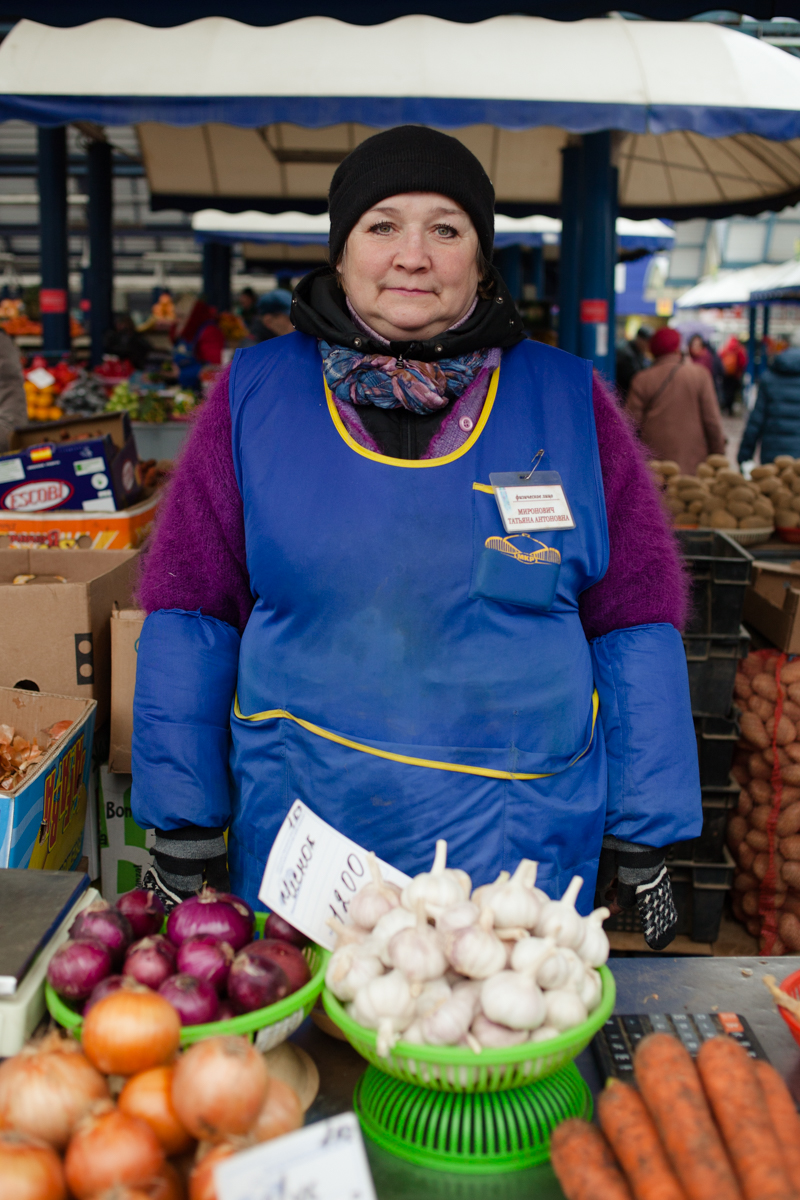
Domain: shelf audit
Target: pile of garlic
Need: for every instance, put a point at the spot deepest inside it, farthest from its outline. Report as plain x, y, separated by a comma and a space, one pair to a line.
440, 964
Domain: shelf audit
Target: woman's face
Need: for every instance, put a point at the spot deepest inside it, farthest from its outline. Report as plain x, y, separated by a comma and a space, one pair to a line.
410, 265
696, 346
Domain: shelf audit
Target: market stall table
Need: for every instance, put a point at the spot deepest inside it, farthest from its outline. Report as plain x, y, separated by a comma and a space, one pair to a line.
644, 984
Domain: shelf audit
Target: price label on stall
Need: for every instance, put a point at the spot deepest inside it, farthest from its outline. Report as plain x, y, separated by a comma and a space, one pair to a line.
313, 872
325, 1161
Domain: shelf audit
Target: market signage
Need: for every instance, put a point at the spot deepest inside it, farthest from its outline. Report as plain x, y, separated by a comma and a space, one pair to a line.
37, 495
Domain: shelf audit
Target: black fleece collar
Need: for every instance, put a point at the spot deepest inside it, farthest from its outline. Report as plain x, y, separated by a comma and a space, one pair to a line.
319, 308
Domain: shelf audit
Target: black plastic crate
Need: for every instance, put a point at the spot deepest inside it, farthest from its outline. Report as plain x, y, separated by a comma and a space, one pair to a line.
716, 743
699, 889
712, 661
720, 570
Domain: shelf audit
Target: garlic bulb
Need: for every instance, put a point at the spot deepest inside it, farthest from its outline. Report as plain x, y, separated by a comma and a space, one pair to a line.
385, 1004
450, 1021
417, 951
374, 899
561, 920
465, 881
512, 998
476, 951
390, 924
543, 1034
482, 895
457, 917
513, 903
434, 993
564, 1009
349, 969
414, 1034
594, 947
495, 1036
537, 954
591, 990
347, 935
437, 889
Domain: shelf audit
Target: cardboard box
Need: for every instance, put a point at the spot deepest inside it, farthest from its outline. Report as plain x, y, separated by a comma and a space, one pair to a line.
126, 627
42, 819
772, 603
56, 636
85, 463
125, 848
65, 529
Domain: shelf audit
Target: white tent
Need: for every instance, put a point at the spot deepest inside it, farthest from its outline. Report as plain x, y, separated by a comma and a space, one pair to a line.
709, 118
730, 288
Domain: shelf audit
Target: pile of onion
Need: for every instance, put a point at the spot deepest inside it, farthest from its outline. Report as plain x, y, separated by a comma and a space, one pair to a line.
131, 1030
47, 1088
109, 1147
29, 1169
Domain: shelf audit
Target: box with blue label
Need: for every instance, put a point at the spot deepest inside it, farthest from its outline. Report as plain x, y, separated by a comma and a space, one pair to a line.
86, 464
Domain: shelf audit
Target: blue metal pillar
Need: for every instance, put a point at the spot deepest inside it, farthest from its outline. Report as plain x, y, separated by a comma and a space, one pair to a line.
537, 270
509, 264
101, 244
217, 275
597, 251
751, 345
571, 228
612, 289
54, 248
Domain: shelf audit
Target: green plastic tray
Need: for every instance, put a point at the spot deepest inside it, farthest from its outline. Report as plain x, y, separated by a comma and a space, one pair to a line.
456, 1069
270, 1026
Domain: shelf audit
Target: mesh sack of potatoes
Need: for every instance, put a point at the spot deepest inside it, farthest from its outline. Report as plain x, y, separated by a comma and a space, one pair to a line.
767, 768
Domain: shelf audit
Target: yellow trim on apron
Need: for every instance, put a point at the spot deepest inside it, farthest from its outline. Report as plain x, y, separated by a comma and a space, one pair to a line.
273, 714
416, 462
483, 487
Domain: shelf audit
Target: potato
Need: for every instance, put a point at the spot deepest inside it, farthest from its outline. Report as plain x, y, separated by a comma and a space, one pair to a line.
769, 486
723, 520
769, 756
760, 790
730, 476
786, 731
751, 903
790, 847
761, 866
745, 805
786, 476
755, 522
786, 518
764, 508
765, 685
791, 710
744, 492
752, 665
741, 687
676, 507
714, 504
761, 707
695, 507
745, 856
782, 498
753, 926
753, 729
793, 751
790, 673
744, 882
783, 460
790, 873
791, 902
737, 831
789, 929
757, 839
788, 821
740, 509
764, 472
759, 817
789, 795
758, 768
704, 471
668, 467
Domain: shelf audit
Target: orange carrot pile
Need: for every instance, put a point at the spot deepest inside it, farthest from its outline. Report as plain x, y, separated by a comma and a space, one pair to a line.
724, 1128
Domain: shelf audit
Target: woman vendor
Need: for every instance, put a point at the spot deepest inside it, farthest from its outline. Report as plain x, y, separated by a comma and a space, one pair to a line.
338, 611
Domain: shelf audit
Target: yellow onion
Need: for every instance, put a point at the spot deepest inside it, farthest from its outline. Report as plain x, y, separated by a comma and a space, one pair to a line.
280, 1113
47, 1088
131, 1030
219, 1087
201, 1180
148, 1096
109, 1147
29, 1169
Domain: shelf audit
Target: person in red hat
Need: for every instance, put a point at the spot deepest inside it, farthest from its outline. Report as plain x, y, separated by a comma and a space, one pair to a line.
674, 406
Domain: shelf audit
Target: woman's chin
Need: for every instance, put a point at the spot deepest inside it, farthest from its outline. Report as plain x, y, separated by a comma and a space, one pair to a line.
408, 324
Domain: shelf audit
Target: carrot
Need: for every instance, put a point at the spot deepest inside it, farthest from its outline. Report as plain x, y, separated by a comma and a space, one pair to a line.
584, 1165
783, 1116
734, 1093
670, 1087
632, 1136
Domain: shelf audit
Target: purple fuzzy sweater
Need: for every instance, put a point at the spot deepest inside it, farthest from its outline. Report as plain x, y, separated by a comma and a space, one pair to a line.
197, 556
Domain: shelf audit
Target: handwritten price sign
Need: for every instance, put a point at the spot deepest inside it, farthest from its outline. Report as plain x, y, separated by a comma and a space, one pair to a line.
313, 873
325, 1161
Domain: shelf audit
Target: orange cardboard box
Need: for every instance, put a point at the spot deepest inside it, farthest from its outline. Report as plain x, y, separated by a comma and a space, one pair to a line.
64, 528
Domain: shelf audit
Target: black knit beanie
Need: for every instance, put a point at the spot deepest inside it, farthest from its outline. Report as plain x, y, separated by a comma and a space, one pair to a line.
409, 158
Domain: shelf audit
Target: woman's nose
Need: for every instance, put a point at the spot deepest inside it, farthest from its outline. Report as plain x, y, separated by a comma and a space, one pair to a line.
411, 254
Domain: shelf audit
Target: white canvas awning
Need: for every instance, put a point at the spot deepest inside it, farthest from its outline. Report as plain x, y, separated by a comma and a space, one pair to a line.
730, 288
231, 115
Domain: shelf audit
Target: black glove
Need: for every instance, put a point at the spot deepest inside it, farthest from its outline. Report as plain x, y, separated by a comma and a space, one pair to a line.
642, 880
185, 859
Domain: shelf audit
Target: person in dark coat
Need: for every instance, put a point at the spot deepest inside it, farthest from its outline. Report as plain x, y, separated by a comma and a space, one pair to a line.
775, 420
633, 356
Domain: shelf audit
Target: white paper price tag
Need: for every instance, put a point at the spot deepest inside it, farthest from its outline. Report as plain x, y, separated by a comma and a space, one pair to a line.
313, 872
325, 1161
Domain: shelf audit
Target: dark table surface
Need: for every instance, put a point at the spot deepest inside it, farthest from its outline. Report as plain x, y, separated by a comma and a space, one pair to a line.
644, 984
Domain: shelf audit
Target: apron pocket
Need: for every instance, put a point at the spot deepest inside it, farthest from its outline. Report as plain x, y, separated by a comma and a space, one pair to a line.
515, 568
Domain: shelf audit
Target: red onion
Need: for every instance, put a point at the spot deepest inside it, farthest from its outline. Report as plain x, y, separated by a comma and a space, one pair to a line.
150, 961
255, 983
77, 967
229, 896
105, 924
276, 927
287, 957
195, 1001
226, 1011
144, 910
229, 920
112, 983
205, 958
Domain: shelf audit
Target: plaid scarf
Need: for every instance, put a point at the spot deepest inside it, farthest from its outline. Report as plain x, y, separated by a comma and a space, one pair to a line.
390, 382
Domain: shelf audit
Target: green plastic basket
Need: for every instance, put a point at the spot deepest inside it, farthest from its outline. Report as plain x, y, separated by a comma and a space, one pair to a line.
458, 1069
268, 1026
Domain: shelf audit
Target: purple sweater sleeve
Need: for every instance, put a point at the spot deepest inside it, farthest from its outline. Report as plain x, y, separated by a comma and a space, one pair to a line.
645, 583
196, 558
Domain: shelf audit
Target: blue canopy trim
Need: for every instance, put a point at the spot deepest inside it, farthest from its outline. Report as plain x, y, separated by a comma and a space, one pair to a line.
251, 112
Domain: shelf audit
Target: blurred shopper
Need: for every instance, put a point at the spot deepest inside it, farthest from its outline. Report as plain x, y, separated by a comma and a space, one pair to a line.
675, 406
247, 308
632, 356
200, 342
126, 342
274, 308
13, 409
775, 420
734, 364
703, 354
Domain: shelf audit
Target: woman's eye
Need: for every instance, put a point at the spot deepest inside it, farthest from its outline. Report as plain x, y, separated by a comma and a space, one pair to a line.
446, 231
382, 227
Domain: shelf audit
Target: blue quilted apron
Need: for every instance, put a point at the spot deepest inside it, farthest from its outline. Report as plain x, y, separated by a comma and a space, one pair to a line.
409, 671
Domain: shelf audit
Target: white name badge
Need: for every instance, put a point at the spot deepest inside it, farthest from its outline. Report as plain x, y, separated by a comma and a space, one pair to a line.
313, 872
528, 502
324, 1161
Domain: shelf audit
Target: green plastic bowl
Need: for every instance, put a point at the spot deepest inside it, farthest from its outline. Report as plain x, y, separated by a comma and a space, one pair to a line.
458, 1069
268, 1026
